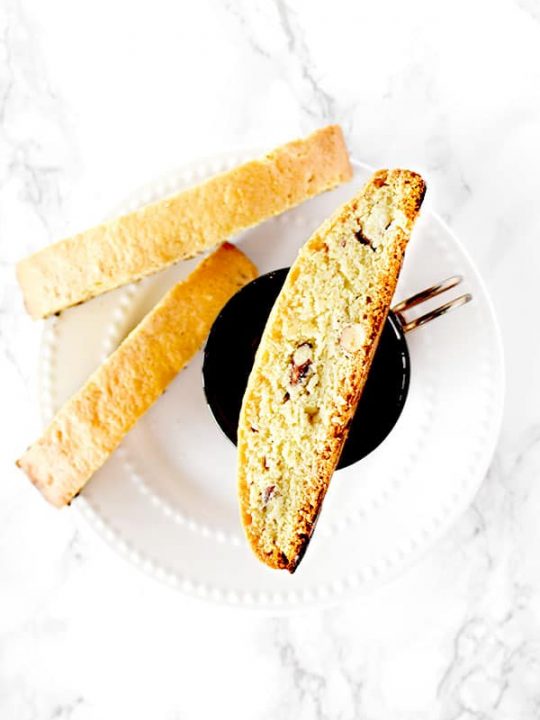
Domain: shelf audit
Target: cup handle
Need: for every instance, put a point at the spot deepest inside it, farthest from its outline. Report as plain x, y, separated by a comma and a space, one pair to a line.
428, 294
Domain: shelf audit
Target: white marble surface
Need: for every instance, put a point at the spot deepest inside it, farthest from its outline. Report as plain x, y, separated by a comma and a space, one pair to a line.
98, 98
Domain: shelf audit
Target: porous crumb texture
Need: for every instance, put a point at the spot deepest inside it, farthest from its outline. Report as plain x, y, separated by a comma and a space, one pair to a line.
147, 240
313, 361
92, 423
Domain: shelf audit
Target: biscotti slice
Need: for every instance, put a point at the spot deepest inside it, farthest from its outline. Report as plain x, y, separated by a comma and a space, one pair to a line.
147, 240
92, 423
313, 361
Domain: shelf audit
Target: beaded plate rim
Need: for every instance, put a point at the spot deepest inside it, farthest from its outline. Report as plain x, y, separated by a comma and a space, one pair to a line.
278, 602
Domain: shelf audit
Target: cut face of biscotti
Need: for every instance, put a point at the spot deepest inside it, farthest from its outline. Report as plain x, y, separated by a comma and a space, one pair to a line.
92, 423
313, 361
179, 227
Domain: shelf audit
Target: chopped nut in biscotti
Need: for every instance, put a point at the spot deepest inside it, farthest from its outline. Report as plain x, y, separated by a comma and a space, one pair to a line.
267, 494
362, 239
311, 411
301, 362
352, 337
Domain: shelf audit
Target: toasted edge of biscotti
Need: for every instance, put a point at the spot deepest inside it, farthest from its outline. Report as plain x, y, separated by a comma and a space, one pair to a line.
178, 227
303, 530
92, 423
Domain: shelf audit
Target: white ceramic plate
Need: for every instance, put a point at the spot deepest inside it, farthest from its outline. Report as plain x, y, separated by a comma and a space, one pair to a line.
166, 499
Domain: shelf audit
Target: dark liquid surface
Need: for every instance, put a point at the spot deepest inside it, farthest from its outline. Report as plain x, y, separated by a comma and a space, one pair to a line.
231, 349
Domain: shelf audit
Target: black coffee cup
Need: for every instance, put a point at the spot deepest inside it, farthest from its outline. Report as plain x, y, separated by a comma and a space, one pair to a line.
235, 336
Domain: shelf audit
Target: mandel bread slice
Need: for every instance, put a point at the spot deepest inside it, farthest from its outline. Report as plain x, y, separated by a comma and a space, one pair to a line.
178, 227
313, 361
93, 422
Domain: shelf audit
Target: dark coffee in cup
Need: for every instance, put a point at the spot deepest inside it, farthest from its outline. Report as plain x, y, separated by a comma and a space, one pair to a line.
231, 348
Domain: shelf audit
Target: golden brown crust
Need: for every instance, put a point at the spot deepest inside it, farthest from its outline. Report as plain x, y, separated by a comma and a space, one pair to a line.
92, 422
407, 191
147, 240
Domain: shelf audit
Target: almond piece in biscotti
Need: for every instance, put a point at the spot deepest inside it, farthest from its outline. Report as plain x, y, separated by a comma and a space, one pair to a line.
301, 396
